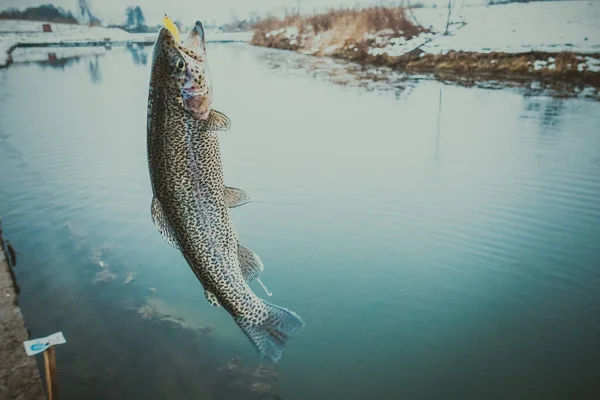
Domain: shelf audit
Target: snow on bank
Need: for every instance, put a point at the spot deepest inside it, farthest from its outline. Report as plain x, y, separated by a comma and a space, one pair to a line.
511, 28
397, 46
17, 31
518, 27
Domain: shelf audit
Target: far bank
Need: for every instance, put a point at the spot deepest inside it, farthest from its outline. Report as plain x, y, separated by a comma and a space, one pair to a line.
554, 41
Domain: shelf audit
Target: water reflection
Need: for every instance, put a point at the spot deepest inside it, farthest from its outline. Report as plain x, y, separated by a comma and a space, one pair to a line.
58, 62
546, 110
449, 265
338, 71
374, 78
54, 57
139, 53
6, 148
438, 127
94, 68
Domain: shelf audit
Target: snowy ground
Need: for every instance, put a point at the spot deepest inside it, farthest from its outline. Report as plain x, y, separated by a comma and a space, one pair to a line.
518, 27
13, 32
511, 28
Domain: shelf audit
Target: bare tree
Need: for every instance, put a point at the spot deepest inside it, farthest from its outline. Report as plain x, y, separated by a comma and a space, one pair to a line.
84, 11
410, 10
140, 20
130, 15
449, 13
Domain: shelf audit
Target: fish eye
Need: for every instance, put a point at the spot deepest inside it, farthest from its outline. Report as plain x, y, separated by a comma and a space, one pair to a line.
179, 64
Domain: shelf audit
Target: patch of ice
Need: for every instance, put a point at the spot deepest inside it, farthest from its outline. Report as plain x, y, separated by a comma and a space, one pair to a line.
369, 36
275, 32
399, 46
380, 41
331, 49
552, 66
593, 64
291, 32
385, 32
539, 64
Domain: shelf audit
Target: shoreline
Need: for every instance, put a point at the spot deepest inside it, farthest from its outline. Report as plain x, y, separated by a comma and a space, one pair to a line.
563, 68
516, 41
106, 44
24, 33
21, 378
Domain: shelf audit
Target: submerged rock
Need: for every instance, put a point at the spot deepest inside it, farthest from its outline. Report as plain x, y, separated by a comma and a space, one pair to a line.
232, 367
129, 278
261, 388
104, 276
266, 372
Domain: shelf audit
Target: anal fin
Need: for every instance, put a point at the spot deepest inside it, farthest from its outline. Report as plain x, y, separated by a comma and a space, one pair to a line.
235, 197
162, 224
251, 266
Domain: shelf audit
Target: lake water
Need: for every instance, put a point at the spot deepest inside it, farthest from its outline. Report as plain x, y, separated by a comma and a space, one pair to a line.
440, 241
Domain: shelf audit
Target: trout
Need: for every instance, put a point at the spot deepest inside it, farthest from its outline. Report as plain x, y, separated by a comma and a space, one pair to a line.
190, 200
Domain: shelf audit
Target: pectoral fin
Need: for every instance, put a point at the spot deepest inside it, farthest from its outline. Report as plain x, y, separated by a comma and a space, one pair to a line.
235, 197
217, 122
251, 266
162, 224
212, 299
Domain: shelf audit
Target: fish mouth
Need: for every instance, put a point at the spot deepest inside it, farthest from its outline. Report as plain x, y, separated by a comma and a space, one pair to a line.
196, 40
190, 93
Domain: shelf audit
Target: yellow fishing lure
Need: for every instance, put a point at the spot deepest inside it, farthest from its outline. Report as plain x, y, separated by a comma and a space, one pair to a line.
170, 25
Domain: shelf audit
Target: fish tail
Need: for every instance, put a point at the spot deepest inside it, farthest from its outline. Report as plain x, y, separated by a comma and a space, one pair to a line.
270, 336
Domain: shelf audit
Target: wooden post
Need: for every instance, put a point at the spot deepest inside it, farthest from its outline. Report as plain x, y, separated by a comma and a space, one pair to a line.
51, 379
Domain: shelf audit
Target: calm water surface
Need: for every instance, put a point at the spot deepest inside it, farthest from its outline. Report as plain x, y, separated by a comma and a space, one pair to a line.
439, 241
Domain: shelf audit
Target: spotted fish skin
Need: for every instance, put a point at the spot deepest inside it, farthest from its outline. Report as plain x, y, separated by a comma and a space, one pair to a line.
189, 202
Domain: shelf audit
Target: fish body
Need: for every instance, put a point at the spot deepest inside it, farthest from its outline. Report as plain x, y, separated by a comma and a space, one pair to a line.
190, 203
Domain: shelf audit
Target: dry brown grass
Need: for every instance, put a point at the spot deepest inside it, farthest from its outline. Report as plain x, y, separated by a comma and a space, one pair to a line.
341, 24
503, 65
370, 19
272, 23
339, 28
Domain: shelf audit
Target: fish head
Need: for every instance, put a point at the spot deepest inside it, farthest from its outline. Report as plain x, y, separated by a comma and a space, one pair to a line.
182, 69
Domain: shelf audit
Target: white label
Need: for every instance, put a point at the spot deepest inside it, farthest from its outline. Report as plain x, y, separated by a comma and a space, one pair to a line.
35, 346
